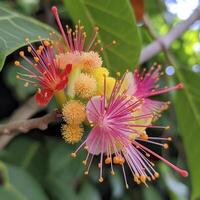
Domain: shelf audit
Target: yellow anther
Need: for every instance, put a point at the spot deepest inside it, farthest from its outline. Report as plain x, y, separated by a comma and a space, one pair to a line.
114, 42
143, 178
121, 160
101, 179
156, 174
165, 146
17, 63
29, 49
167, 127
73, 155
112, 173
86, 173
36, 59
144, 136
26, 84
118, 74
21, 53
86, 147
84, 162
116, 160
147, 155
39, 52
107, 160
169, 139
41, 48
17, 76
46, 43
153, 178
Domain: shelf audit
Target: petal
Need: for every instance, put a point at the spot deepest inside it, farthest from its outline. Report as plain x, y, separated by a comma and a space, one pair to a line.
93, 108
43, 97
62, 84
94, 141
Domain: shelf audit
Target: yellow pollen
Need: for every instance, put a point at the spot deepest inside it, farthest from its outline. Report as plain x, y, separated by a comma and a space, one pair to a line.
21, 53
46, 43
165, 146
156, 174
36, 59
17, 63
72, 133
73, 155
107, 160
74, 112
85, 86
101, 179
89, 61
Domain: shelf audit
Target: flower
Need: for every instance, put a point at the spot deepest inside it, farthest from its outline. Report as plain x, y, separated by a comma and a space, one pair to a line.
115, 138
72, 133
74, 112
143, 85
85, 86
44, 72
85, 54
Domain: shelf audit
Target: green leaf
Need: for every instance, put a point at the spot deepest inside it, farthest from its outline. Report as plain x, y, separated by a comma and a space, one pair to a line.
188, 114
15, 28
116, 22
20, 185
65, 174
31, 156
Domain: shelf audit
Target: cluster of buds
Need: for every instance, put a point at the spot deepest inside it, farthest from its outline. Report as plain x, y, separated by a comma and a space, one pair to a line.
117, 110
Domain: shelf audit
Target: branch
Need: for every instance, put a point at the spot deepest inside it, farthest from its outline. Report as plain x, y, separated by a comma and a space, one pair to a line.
24, 112
26, 125
164, 42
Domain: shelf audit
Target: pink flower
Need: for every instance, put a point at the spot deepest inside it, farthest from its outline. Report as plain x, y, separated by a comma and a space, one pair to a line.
43, 72
143, 85
115, 138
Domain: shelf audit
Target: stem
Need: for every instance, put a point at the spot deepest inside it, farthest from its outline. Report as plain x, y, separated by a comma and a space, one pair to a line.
60, 97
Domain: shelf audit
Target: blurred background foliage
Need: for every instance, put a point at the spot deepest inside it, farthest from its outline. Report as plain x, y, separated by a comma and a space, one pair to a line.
38, 166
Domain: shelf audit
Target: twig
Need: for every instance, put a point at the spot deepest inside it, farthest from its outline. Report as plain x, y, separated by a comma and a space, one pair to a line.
165, 41
26, 125
24, 112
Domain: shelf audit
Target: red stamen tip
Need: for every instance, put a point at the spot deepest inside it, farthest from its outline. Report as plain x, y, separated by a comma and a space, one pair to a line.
180, 86
54, 10
184, 173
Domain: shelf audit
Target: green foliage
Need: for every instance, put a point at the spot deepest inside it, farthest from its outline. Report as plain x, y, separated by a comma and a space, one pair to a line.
116, 22
16, 28
19, 185
188, 115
